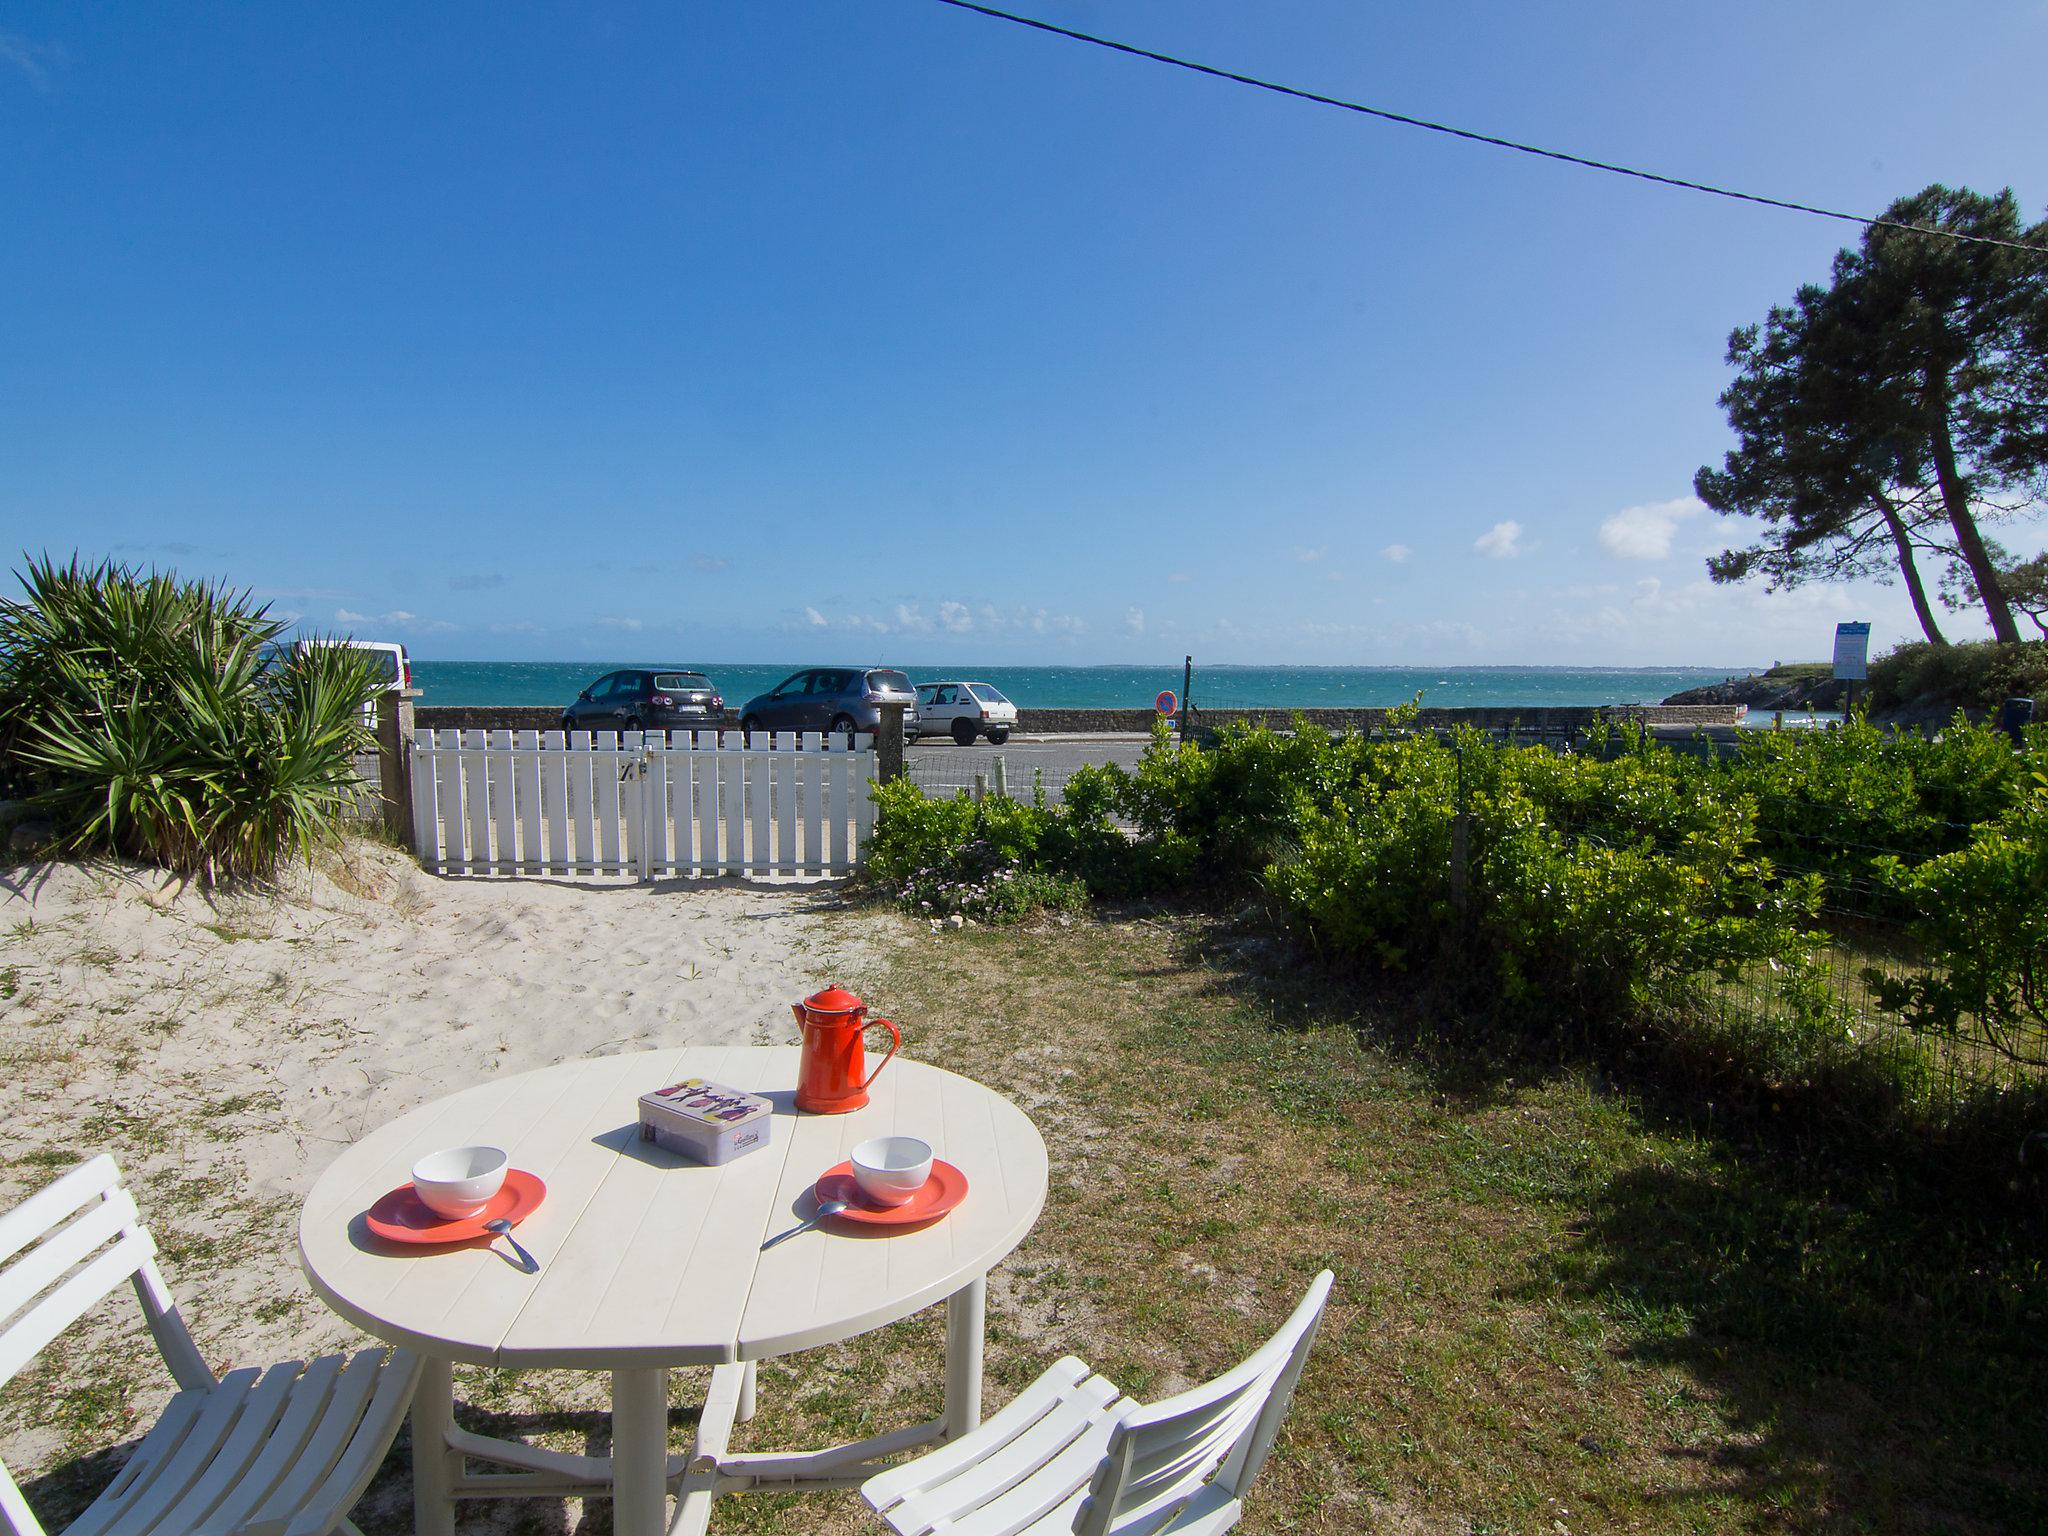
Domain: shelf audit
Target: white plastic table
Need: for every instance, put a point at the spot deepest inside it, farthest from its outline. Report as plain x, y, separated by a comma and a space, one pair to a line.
650, 1261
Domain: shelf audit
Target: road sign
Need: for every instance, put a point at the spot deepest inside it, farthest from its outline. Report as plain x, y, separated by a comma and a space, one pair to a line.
1852, 652
1166, 703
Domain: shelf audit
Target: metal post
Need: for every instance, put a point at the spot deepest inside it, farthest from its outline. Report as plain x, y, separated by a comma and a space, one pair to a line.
1187, 692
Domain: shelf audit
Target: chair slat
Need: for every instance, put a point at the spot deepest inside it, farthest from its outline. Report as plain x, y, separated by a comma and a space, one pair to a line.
1067, 1422
70, 1301
329, 1439
1061, 1481
1019, 1414
158, 1448
51, 1204
260, 1410
373, 1435
294, 1428
173, 1475
38, 1268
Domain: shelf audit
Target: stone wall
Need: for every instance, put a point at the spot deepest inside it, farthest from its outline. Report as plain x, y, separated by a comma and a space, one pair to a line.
1056, 722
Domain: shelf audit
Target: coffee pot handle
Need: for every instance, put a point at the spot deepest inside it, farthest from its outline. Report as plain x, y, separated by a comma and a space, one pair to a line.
895, 1045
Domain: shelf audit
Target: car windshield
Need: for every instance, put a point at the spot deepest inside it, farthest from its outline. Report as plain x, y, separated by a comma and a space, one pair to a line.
888, 682
986, 694
681, 682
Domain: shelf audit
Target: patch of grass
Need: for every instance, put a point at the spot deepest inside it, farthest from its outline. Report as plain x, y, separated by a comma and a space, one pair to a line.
1556, 1304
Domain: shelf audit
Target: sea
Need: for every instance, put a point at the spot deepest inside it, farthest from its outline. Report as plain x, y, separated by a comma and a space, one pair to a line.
1124, 687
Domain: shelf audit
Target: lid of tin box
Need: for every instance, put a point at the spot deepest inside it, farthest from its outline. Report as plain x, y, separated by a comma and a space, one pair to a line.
711, 1103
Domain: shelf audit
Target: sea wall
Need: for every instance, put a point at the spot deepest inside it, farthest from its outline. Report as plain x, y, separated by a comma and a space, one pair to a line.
1082, 722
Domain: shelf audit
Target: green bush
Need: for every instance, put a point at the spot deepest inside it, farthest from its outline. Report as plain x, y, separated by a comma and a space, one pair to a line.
993, 860
159, 720
1977, 674
1982, 913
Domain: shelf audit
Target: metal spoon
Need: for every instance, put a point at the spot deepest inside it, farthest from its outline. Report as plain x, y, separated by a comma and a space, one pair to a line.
503, 1228
829, 1208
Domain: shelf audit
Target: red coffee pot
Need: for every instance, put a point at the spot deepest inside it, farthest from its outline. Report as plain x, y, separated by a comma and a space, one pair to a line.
831, 1078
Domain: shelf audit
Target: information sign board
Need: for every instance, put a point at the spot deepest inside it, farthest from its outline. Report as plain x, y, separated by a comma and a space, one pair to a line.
1852, 652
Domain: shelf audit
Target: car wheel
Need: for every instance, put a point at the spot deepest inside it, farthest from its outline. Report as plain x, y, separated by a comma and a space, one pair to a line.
632, 723
964, 733
568, 723
750, 723
998, 736
841, 724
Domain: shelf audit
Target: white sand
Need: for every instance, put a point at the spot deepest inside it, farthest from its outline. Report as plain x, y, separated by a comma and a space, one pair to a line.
226, 1052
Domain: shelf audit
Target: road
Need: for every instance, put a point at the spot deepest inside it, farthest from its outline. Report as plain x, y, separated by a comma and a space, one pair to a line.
939, 765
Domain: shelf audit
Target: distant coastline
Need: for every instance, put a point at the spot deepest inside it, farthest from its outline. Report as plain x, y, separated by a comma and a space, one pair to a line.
553, 683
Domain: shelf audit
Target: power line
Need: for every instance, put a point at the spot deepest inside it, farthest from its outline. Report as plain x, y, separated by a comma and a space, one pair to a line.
1477, 138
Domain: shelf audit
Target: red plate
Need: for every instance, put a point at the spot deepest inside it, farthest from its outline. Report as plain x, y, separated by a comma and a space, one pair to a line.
946, 1188
403, 1217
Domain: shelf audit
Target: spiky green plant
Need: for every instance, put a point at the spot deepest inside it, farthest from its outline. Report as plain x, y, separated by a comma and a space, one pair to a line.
161, 719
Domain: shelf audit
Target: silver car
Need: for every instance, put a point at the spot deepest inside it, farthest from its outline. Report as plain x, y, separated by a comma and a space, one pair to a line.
831, 699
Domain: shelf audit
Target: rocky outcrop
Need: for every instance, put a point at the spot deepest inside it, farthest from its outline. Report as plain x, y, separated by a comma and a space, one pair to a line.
1766, 693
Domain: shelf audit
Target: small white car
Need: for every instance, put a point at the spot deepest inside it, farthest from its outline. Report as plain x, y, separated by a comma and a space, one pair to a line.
964, 711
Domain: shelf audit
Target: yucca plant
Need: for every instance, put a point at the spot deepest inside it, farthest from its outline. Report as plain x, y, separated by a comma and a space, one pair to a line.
163, 720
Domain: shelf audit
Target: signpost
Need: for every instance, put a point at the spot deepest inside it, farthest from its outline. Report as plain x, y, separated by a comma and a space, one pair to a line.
1852, 659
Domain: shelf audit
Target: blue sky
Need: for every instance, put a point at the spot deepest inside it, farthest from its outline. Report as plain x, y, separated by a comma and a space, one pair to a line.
782, 329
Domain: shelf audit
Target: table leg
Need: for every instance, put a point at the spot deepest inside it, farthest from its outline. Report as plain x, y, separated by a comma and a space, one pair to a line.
640, 1452
966, 1312
747, 1390
433, 1464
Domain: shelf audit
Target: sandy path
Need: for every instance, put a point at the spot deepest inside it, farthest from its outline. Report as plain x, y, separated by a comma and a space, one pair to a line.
226, 1052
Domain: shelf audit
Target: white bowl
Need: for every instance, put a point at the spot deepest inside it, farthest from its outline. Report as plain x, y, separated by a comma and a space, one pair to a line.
460, 1181
891, 1169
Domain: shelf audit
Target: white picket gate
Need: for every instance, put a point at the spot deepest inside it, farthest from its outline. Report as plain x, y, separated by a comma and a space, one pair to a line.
652, 805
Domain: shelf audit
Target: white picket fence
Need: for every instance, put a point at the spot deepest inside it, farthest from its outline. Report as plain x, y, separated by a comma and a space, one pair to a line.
652, 805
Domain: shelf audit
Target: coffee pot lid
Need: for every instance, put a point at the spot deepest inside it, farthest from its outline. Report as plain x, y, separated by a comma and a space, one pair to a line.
834, 999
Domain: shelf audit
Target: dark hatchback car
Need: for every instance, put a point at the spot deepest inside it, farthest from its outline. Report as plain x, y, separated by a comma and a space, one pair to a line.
831, 699
650, 699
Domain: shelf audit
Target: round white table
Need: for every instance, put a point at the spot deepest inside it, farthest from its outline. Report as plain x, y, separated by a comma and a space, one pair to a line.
648, 1260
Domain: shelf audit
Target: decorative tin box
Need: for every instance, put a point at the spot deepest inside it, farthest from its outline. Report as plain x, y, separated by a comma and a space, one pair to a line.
706, 1121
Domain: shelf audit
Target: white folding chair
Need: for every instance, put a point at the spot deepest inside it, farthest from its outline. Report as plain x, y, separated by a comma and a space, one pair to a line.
1073, 1455
280, 1452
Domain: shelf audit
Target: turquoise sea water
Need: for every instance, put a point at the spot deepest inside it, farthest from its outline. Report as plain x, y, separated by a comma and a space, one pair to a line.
556, 683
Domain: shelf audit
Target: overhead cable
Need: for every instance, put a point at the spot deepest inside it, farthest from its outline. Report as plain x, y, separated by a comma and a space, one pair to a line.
1479, 138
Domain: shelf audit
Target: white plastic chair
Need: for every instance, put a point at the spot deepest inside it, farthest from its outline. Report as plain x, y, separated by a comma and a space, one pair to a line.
1073, 1455
280, 1452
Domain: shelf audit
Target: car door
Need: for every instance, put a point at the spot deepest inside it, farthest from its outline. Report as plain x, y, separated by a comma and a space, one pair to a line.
589, 703
782, 710
828, 697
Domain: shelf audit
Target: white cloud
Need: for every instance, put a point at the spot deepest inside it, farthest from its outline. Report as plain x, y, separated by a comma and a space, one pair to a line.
1134, 620
911, 617
817, 619
1644, 532
1305, 555
708, 563
35, 60
630, 626
516, 627
396, 619
1398, 553
955, 618
1503, 541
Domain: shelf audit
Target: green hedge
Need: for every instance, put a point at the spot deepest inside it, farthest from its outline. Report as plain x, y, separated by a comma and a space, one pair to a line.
1977, 675
1593, 884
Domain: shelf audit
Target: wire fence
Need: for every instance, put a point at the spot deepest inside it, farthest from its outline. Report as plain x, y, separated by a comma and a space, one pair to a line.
983, 774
